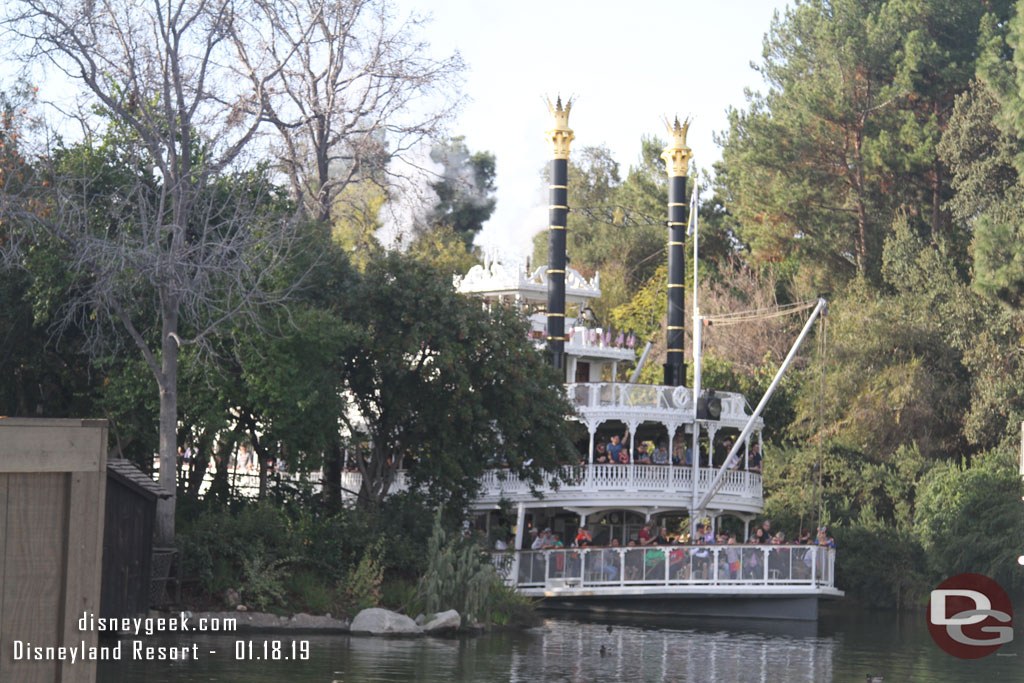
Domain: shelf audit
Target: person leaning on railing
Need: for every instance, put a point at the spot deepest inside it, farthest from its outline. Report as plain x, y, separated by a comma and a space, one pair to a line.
754, 459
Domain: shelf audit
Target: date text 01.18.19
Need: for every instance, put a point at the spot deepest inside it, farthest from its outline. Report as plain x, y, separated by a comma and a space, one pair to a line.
272, 650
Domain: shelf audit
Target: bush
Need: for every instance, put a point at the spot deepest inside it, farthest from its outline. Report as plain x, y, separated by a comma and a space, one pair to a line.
362, 587
972, 520
460, 576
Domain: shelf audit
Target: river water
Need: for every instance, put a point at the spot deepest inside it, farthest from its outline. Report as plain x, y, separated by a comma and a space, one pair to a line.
838, 648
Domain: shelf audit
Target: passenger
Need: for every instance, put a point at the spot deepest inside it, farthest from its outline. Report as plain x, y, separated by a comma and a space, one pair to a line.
778, 559
702, 556
610, 561
642, 457
601, 456
755, 458
583, 539
678, 453
644, 535
824, 539
752, 567
804, 538
634, 561
766, 529
688, 459
660, 455
532, 542
617, 451
733, 556
734, 461
661, 538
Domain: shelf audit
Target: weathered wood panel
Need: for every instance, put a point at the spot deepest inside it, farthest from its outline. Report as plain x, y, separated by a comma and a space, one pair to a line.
52, 485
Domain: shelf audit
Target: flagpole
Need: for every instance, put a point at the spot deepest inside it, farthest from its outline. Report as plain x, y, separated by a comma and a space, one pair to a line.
695, 447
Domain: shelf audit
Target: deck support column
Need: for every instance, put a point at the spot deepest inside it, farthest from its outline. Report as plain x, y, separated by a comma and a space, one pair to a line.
520, 523
589, 481
632, 455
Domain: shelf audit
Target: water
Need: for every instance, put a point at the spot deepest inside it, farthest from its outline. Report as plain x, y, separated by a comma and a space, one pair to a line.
838, 648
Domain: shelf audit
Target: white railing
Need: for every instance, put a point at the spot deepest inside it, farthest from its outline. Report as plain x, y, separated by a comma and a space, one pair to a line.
351, 482
676, 565
624, 395
610, 478
581, 338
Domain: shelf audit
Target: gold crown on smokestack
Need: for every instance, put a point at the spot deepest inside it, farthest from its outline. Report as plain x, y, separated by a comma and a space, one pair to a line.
677, 155
561, 135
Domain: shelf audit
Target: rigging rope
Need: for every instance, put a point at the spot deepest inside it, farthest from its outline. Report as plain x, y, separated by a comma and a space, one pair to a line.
743, 317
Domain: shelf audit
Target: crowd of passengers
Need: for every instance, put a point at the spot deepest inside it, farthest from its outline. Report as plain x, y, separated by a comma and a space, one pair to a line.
652, 535
733, 564
615, 451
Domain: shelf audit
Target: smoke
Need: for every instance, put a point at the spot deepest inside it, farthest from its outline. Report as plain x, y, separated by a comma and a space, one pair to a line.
411, 198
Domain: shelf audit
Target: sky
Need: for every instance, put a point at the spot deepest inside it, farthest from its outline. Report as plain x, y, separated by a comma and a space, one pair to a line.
626, 64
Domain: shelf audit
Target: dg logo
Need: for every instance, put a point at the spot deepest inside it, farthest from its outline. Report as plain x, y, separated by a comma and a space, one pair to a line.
970, 616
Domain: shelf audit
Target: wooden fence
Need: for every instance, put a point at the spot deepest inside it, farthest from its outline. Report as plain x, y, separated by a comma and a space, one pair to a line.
52, 486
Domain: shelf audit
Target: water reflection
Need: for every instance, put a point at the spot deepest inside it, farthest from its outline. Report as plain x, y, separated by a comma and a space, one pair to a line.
592, 652
840, 648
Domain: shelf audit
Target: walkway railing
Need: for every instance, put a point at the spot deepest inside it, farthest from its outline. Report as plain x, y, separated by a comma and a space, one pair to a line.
648, 478
690, 565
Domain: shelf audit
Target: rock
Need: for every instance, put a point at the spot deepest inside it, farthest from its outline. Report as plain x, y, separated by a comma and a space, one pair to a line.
420, 618
381, 622
311, 621
242, 608
443, 621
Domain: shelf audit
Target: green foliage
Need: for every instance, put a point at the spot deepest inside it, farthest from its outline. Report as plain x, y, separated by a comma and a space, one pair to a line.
859, 96
362, 586
439, 382
460, 576
881, 566
263, 578
401, 595
972, 520
445, 250
310, 592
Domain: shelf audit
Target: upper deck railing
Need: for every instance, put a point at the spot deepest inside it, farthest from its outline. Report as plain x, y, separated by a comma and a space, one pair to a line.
600, 478
625, 398
679, 566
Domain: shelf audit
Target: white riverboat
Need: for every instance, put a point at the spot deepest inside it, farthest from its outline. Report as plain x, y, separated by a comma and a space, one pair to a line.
615, 501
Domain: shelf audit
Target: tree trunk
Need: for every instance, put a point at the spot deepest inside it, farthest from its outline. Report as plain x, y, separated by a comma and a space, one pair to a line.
168, 428
200, 463
221, 487
332, 477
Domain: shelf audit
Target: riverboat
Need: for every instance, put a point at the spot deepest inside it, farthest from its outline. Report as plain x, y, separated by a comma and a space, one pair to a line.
614, 501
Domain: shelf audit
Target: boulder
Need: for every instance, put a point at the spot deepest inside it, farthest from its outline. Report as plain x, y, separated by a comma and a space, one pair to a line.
443, 621
381, 622
420, 618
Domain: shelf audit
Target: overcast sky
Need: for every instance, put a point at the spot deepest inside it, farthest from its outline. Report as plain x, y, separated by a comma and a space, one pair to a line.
627, 64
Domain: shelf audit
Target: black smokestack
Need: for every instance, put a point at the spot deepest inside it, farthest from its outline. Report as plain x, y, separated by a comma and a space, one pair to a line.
558, 211
677, 160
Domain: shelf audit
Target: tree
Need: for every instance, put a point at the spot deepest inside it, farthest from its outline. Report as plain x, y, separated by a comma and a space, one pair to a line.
348, 97
971, 520
442, 386
174, 259
465, 189
184, 87
859, 94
